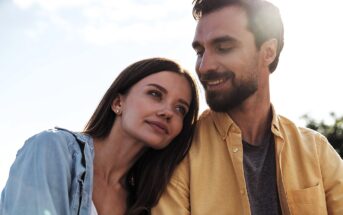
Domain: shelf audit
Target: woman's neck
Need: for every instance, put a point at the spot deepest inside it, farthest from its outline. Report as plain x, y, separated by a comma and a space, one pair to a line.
115, 155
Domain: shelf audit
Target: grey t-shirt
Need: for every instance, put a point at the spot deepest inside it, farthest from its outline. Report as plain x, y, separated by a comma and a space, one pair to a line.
260, 176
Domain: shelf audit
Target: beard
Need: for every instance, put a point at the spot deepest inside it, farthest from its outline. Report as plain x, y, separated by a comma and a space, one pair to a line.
223, 101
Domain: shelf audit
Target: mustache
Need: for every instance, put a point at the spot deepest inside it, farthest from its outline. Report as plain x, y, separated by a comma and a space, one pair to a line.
213, 75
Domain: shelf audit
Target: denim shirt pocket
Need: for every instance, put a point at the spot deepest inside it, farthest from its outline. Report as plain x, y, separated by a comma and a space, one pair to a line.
310, 200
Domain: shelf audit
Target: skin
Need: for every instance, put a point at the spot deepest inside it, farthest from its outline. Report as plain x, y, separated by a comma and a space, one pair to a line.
151, 115
225, 47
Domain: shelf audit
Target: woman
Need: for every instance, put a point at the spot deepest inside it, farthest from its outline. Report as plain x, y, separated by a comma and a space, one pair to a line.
123, 160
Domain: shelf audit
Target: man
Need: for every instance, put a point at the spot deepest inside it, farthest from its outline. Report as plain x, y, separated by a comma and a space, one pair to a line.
246, 159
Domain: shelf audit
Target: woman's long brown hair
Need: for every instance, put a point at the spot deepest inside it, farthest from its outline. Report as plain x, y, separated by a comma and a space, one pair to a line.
149, 176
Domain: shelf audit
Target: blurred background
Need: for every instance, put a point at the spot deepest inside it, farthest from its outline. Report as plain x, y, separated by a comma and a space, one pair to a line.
57, 58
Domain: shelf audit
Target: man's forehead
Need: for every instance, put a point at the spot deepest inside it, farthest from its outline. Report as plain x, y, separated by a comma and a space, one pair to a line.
227, 16
228, 21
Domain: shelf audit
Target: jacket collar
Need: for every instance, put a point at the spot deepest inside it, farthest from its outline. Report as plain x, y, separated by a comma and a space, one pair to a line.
275, 123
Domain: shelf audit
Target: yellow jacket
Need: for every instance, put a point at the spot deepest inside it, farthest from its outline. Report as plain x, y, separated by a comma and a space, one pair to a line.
210, 180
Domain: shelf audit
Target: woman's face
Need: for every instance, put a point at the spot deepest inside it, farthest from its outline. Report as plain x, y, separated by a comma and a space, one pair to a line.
154, 108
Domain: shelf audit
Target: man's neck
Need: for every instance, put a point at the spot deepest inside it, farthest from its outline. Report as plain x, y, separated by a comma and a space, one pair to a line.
253, 120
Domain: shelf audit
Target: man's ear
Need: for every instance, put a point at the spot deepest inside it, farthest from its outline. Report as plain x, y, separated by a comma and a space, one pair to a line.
269, 49
117, 105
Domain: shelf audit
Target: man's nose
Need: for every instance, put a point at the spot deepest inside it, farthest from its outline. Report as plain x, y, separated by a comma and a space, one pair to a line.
206, 63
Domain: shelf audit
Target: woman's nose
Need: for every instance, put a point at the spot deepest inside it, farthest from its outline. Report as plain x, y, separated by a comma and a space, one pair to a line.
166, 113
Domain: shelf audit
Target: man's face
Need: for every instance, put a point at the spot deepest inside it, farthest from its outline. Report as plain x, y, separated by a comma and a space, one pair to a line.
227, 58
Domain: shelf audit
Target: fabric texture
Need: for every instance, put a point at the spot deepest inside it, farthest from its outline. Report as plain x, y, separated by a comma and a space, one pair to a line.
51, 175
260, 176
210, 180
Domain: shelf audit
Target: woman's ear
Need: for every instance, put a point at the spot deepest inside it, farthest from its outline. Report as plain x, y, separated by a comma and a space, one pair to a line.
269, 49
117, 105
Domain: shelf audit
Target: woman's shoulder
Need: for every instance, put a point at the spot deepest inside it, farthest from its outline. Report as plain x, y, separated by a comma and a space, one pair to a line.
51, 136
56, 139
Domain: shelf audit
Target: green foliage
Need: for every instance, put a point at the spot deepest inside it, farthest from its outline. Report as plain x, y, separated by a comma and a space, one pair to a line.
333, 132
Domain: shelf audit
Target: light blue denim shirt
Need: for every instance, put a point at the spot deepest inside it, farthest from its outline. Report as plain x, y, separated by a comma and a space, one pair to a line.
51, 175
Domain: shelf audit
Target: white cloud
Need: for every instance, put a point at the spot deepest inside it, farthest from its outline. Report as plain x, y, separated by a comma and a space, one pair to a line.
39, 29
51, 5
105, 22
138, 33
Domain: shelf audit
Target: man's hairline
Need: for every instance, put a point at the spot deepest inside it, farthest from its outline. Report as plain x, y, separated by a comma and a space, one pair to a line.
238, 5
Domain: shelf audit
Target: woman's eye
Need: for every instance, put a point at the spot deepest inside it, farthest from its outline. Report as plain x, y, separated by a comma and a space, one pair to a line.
155, 93
181, 109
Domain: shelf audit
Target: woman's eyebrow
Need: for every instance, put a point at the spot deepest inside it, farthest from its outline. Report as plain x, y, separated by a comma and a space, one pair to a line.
158, 87
166, 91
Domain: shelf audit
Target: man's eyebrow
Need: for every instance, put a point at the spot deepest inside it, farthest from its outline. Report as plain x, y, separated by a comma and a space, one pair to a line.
223, 39
217, 40
165, 91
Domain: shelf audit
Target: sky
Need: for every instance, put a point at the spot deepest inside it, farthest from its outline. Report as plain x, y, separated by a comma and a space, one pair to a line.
58, 57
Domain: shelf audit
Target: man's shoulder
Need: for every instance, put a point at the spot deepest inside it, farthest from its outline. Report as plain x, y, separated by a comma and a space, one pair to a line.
206, 120
287, 123
205, 115
289, 129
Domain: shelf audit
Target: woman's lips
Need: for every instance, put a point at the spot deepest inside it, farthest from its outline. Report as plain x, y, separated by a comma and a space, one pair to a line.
158, 126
